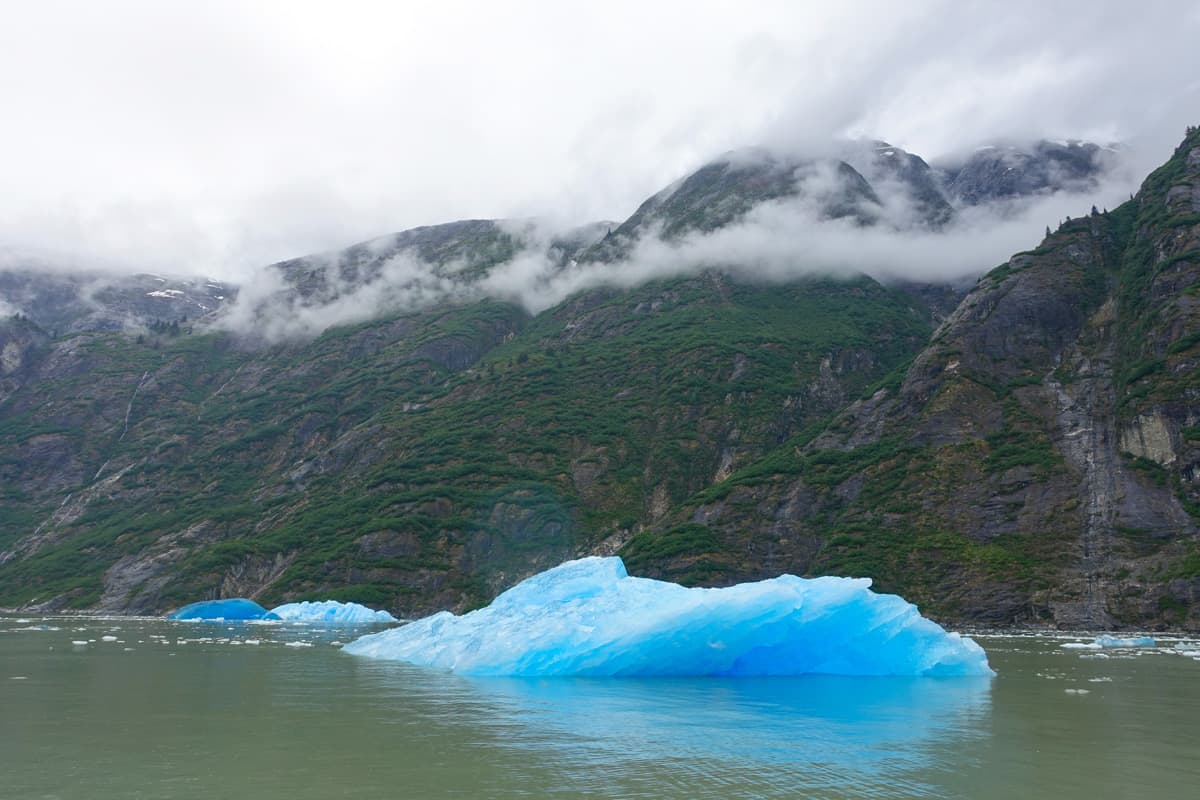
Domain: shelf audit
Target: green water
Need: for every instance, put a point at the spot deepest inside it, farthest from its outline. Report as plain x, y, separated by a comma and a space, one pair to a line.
177, 710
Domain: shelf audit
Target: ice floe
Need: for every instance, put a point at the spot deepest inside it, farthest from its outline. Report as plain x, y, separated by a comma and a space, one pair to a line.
330, 612
1109, 642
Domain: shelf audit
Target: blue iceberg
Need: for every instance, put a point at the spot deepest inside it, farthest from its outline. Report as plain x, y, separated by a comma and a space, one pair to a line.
233, 610
588, 617
331, 612
1107, 641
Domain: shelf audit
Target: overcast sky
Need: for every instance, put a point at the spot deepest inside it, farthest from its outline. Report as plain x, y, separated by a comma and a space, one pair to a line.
214, 137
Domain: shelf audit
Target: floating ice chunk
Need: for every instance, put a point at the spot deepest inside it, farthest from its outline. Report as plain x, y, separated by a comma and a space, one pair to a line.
330, 612
221, 610
1080, 646
1077, 691
1132, 641
588, 617
108, 638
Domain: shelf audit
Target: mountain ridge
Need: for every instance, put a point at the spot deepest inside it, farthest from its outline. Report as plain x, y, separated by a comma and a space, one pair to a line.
716, 195
429, 457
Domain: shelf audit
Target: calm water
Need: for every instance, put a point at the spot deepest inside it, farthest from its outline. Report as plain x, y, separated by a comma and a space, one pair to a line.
161, 711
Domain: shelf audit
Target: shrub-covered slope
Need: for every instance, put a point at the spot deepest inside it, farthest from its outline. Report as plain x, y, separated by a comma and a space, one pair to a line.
1039, 461
421, 461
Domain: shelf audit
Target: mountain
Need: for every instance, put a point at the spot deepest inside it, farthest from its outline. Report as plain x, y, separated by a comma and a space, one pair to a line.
899, 172
1037, 462
997, 173
868, 182
708, 428
72, 302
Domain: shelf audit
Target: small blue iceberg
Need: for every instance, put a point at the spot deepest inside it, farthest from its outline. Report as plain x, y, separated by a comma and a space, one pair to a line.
588, 617
331, 612
1107, 641
233, 610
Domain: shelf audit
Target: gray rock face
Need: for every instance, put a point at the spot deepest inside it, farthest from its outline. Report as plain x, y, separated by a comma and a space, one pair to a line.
997, 173
22, 345
893, 171
725, 190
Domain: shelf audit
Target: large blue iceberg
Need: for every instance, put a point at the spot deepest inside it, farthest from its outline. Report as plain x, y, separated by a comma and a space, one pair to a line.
232, 610
330, 612
588, 617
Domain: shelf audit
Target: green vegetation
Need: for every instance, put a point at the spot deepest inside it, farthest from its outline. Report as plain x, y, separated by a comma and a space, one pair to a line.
648, 549
448, 447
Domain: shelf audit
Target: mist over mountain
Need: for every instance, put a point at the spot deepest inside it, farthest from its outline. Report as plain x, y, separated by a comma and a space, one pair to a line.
774, 364
754, 213
65, 302
862, 207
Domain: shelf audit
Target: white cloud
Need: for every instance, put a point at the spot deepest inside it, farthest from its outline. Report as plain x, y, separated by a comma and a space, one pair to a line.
776, 242
212, 138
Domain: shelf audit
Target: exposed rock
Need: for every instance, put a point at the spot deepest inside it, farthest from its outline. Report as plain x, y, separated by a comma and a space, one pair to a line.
1148, 436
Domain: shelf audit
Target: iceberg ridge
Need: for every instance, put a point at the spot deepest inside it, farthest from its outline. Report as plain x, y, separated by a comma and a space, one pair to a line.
588, 617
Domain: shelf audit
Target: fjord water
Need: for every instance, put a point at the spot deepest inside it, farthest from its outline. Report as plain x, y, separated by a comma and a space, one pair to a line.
185, 710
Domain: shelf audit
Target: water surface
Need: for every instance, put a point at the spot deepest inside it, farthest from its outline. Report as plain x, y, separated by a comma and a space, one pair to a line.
190, 710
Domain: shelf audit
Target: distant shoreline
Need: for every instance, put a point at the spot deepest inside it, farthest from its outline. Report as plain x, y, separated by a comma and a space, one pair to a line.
965, 629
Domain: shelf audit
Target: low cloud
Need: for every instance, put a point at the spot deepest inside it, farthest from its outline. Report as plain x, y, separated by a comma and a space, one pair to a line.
776, 242
245, 133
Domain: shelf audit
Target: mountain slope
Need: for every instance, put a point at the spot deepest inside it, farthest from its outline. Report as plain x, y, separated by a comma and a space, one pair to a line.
420, 461
1037, 462
66, 303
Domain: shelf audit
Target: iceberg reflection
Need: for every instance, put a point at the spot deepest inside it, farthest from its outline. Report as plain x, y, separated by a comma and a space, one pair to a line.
801, 736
